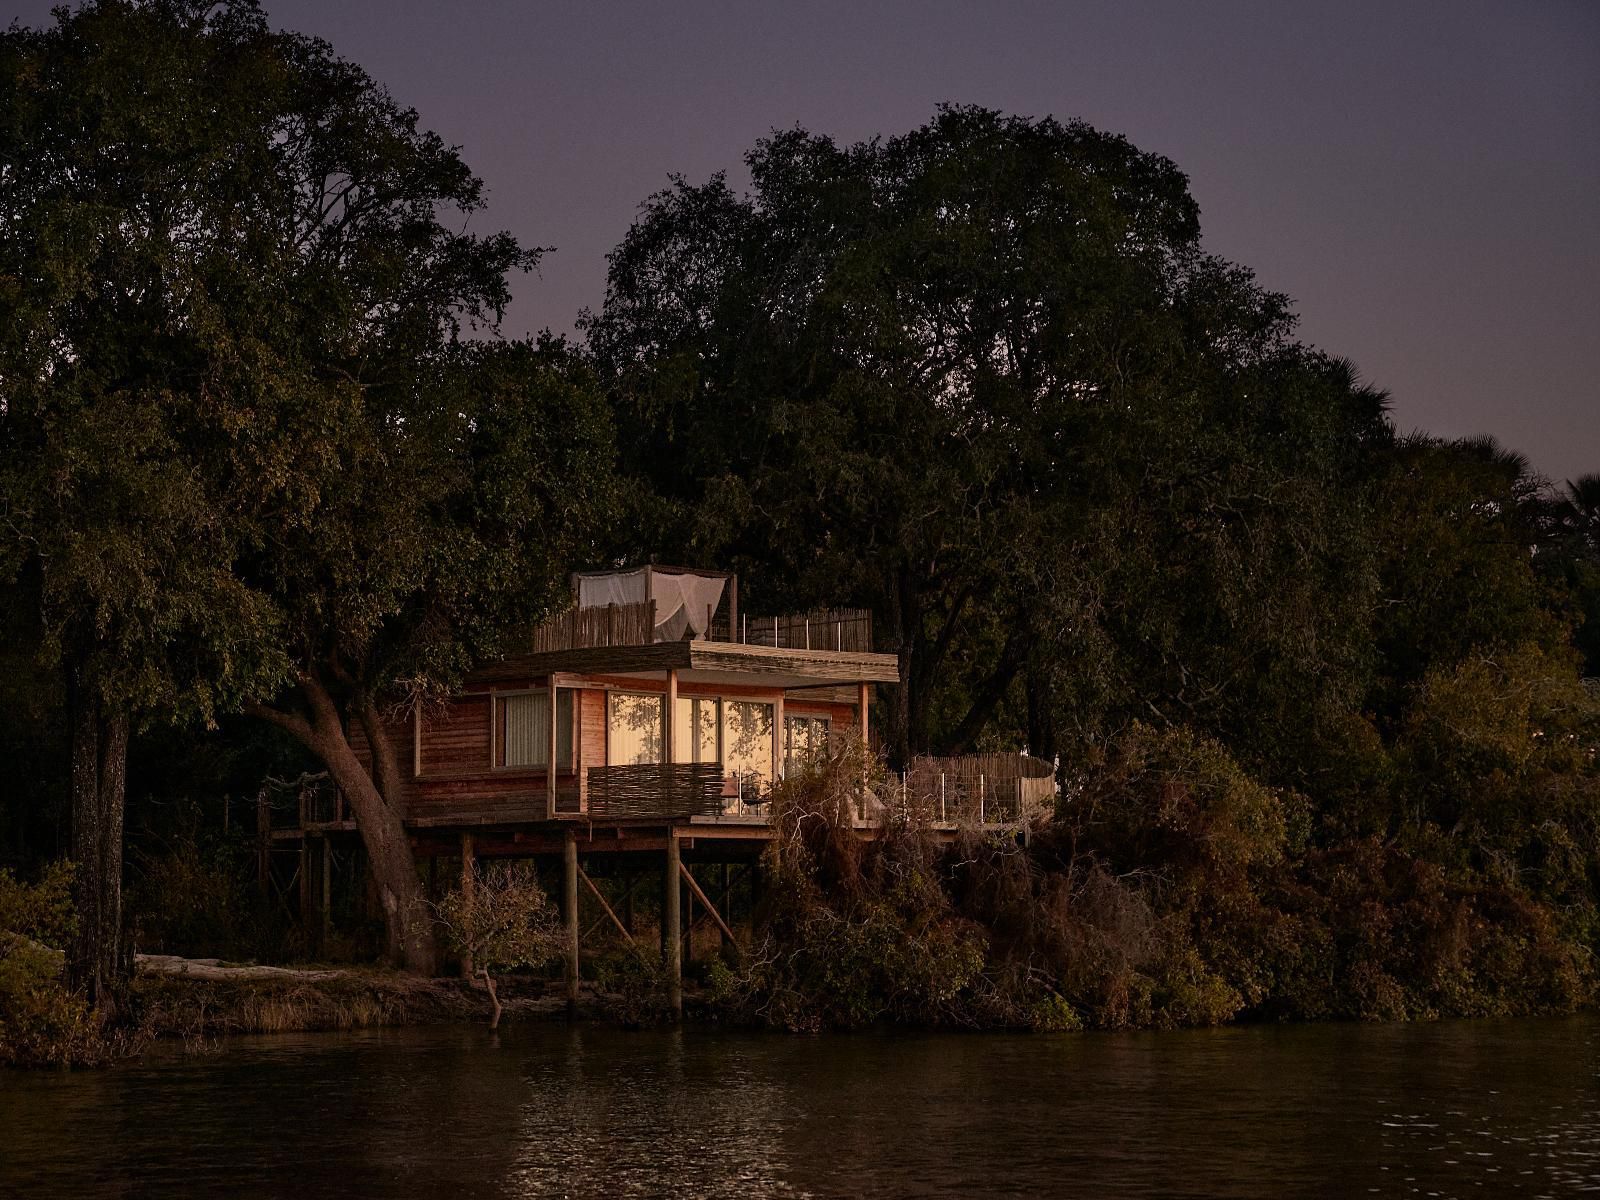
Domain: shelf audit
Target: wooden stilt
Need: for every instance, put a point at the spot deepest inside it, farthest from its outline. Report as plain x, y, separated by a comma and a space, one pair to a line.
263, 844
571, 891
305, 880
327, 897
672, 946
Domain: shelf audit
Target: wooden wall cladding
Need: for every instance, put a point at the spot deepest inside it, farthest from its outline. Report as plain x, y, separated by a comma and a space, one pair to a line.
456, 739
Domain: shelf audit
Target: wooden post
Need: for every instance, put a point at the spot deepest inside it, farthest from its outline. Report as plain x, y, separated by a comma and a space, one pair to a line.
777, 738
668, 750
733, 608
263, 844
305, 877
570, 848
327, 896
671, 932
862, 698
469, 878
550, 763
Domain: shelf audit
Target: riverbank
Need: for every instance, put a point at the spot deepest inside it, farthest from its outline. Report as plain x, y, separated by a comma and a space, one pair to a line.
197, 999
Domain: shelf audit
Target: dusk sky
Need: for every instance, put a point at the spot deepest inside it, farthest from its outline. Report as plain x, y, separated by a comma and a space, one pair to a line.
1422, 179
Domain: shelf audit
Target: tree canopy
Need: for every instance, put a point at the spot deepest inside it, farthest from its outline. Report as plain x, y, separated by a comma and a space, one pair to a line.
242, 445
983, 376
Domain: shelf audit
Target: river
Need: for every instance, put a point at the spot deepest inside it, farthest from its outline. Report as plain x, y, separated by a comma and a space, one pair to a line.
1501, 1108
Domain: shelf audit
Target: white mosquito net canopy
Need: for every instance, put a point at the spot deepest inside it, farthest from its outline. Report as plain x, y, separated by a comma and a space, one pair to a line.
683, 602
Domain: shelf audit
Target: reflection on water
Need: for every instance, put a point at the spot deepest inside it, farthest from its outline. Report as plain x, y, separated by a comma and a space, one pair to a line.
1462, 1109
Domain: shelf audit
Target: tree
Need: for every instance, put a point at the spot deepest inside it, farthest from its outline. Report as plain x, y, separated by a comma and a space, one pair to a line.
458, 503
501, 919
116, 205
973, 375
239, 276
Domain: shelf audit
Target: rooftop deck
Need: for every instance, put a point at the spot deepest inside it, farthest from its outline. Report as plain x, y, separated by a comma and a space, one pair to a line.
667, 604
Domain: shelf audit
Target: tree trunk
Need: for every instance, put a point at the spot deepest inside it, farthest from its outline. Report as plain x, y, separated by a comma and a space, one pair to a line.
494, 997
385, 768
408, 926
99, 788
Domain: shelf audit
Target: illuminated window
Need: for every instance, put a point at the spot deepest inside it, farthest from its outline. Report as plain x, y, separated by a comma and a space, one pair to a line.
747, 739
635, 728
694, 730
805, 740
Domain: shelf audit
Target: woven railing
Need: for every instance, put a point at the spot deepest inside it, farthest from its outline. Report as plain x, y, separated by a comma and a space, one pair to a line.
656, 790
612, 625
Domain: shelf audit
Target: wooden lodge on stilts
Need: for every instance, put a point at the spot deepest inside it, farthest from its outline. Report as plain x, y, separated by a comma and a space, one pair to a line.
635, 741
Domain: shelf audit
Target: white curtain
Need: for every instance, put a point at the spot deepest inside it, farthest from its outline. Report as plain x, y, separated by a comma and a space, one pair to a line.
684, 602
620, 587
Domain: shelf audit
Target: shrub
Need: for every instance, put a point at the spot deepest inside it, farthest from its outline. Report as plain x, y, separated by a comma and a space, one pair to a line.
503, 920
42, 1023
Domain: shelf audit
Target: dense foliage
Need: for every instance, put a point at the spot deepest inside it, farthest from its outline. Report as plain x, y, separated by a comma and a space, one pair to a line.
248, 457
1316, 689
1321, 695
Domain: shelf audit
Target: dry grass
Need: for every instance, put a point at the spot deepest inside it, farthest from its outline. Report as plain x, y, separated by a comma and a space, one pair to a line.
195, 1009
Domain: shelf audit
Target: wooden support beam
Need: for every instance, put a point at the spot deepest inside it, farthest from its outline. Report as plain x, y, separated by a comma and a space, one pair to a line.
777, 739
550, 763
571, 893
601, 900
710, 908
327, 898
626, 904
861, 711
669, 754
263, 844
304, 879
671, 944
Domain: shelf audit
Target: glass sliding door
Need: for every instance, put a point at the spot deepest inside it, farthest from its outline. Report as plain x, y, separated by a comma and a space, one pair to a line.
635, 733
694, 730
747, 744
805, 741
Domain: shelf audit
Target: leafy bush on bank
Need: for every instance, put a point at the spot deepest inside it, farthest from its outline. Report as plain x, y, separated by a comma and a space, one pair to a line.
1172, 888
42, 1022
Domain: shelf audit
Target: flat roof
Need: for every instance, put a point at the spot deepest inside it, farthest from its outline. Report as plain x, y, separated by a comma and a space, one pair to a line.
700, 661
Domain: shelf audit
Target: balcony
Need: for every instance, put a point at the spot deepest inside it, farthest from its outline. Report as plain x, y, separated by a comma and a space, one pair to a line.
665, 604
